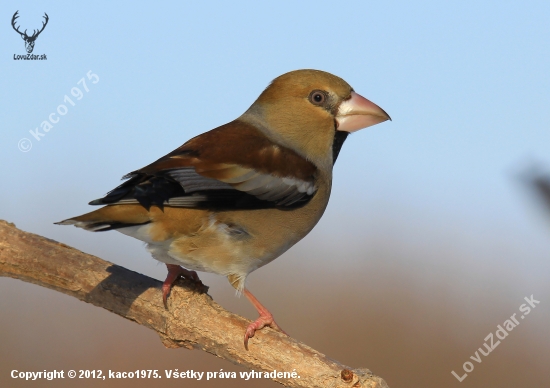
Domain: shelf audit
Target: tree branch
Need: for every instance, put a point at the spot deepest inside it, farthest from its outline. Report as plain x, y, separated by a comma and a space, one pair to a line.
193, 320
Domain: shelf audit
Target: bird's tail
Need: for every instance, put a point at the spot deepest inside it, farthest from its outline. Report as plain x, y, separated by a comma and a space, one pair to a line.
109, 218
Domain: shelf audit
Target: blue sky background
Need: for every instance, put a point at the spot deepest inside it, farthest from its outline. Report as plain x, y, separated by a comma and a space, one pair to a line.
433, 195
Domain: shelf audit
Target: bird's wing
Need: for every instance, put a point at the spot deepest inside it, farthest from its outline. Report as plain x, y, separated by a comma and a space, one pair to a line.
231, 167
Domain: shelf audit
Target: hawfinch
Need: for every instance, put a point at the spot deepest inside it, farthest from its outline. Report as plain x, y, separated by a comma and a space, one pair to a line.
235, 198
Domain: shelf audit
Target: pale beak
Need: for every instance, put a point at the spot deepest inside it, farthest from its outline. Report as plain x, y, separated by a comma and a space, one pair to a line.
358, 112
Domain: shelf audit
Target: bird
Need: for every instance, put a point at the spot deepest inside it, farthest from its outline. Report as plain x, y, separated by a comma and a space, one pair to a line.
234, 198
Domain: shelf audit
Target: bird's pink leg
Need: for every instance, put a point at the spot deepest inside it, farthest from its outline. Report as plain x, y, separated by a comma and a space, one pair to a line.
265, 319
174, 272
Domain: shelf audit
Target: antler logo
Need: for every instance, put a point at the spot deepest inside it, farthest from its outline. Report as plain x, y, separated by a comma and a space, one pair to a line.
29, 40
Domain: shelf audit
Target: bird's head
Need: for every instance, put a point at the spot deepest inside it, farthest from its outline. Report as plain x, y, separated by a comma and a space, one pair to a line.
312, 112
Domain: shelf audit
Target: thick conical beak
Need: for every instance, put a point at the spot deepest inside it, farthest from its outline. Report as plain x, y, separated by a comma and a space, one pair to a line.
358, 112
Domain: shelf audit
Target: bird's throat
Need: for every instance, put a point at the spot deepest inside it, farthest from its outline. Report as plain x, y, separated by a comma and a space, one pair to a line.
339, 139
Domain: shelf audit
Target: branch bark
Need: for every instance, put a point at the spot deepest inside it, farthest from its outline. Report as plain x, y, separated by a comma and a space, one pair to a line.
193, 320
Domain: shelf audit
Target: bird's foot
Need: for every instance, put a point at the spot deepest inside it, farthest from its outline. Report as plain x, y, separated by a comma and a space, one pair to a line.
174, 272
264, 320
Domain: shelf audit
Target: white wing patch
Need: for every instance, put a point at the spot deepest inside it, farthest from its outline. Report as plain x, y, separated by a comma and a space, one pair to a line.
192, 182
189, 201
283, 191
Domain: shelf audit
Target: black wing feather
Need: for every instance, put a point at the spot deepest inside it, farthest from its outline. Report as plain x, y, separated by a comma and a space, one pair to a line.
160, 189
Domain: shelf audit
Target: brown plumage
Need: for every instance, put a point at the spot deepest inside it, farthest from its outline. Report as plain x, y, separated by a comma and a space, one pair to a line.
235, 198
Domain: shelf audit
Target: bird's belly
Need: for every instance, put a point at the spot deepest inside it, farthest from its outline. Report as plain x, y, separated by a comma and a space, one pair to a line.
220, 246
227, 248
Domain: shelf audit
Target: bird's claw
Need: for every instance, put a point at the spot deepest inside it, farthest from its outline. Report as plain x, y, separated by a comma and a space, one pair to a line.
165, 292
175, 272
258, 324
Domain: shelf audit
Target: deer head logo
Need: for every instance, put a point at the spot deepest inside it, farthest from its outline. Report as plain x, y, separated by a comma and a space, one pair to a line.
29, 40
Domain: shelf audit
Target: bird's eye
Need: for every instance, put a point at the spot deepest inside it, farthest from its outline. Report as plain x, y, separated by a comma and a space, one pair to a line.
317, 97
